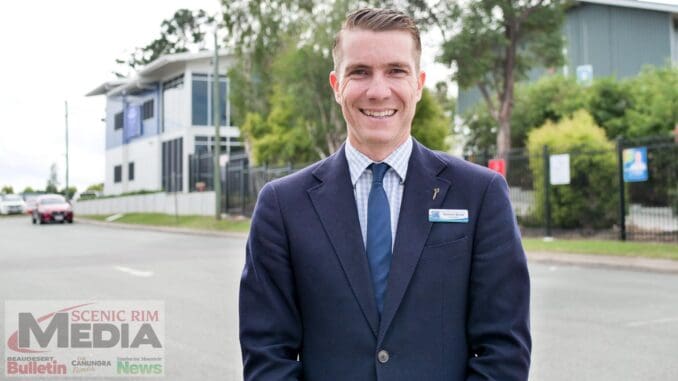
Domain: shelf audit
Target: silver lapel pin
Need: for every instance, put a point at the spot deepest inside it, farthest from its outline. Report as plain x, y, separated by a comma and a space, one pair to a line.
435, 192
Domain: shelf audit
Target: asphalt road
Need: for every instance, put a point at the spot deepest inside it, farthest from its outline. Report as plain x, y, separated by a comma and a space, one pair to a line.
587, 323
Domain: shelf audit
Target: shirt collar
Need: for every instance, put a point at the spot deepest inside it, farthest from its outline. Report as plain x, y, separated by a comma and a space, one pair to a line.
398, 160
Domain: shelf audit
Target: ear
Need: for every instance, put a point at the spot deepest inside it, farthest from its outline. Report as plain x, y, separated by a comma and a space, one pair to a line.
420, 84
334, 83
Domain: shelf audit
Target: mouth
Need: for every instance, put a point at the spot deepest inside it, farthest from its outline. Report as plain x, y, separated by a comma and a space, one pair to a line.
379, 114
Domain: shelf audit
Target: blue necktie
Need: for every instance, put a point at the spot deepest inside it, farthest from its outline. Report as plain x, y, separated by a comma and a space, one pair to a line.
378, 233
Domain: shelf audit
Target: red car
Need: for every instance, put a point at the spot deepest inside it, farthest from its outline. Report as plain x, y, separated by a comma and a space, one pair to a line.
52, 208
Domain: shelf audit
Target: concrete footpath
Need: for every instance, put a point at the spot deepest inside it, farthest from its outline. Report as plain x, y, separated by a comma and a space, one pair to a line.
573, 259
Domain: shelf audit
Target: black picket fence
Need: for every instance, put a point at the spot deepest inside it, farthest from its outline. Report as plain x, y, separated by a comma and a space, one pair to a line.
596, 203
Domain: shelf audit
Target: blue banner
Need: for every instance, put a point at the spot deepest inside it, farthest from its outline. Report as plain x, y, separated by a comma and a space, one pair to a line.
132, 122
635, 164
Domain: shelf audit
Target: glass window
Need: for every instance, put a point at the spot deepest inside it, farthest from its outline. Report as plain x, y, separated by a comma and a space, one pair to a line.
130, 171
172, 165
117, 123
222, 101
199, 101
202, 89
148, 109
117, 173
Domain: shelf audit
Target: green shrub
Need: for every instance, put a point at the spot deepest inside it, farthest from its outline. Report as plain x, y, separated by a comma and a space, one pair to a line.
590, 201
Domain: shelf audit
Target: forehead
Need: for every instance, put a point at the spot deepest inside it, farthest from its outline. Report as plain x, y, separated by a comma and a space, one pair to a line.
366, 47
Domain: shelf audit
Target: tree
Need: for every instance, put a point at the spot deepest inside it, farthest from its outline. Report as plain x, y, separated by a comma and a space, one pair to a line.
68, 193
549, 99
52, 181
609, 101
184, 32
99, 187
257, 32
448, 103
498, 43
654, 97
28, 190
7, 189
430, 125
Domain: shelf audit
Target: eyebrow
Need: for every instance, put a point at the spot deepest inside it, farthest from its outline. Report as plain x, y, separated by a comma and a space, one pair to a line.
401, 65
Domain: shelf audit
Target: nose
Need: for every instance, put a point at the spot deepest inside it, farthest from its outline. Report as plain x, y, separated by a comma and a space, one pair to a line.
378, 88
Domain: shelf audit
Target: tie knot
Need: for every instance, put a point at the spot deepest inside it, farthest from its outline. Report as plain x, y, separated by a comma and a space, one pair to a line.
378, 171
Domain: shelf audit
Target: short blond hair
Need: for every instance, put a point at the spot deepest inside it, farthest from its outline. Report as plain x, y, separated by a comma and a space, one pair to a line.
378, 20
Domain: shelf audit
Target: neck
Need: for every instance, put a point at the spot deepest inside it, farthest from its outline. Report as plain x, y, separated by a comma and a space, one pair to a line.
374, 152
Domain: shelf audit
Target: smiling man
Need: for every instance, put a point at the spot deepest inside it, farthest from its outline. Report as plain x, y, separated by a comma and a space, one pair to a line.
385, 261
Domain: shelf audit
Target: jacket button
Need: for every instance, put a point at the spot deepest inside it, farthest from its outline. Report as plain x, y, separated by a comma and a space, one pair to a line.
382, 356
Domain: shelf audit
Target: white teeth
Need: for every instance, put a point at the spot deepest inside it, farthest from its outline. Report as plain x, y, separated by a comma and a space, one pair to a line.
379, 114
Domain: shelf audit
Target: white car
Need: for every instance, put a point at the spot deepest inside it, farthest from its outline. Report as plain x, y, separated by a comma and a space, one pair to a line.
12, 204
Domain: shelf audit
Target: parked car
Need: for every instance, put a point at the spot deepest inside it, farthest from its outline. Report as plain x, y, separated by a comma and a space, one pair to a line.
52, 208
12, 204
30, 205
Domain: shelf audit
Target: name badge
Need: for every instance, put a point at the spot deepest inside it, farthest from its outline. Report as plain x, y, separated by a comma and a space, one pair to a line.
448, 215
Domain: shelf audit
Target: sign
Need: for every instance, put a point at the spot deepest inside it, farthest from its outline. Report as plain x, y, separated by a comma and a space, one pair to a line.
559, 166
498, 165
223, 159
635, 164
132, 122
585, 74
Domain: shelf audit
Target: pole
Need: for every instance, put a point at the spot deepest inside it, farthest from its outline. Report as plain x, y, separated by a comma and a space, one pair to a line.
217, 121
176, 201
622, 193
66, 120
547, 190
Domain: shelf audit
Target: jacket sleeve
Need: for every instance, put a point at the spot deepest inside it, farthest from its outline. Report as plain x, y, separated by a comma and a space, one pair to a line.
498, 326
270, 325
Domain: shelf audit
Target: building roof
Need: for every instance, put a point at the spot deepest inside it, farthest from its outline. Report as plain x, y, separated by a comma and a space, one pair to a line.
106, 87
150, 74
670, 6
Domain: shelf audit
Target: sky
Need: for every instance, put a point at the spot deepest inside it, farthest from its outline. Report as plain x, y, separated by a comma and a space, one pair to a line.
57, 51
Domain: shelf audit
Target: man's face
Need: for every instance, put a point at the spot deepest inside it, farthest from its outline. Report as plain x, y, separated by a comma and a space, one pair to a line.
378, 86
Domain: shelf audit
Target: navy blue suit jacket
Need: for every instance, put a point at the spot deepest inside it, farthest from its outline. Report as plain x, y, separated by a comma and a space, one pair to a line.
457, 302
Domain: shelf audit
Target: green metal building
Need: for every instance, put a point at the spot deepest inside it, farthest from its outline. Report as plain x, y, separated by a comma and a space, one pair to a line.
616, 38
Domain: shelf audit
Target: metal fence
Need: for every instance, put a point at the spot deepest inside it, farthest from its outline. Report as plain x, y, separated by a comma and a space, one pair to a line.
240, 182
596, 203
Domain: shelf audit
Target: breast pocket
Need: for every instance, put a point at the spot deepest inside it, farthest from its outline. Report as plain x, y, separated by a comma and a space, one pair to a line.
441, 242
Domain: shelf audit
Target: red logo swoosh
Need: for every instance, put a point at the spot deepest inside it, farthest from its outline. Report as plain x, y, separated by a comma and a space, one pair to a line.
13, 342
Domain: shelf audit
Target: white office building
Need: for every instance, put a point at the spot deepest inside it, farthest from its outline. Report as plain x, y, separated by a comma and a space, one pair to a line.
161, 116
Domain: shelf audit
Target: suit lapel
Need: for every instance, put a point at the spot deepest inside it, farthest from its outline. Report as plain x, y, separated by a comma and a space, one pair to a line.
413, 225
334, 202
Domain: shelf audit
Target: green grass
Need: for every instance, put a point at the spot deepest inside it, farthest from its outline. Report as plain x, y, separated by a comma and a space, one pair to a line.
582, 246
575, 246
189, 222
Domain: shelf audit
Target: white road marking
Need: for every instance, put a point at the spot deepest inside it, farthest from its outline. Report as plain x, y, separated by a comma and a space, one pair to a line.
114, 217
650, 322
127, 270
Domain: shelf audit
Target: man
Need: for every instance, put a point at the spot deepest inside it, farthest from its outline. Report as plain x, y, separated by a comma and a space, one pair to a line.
385, 261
